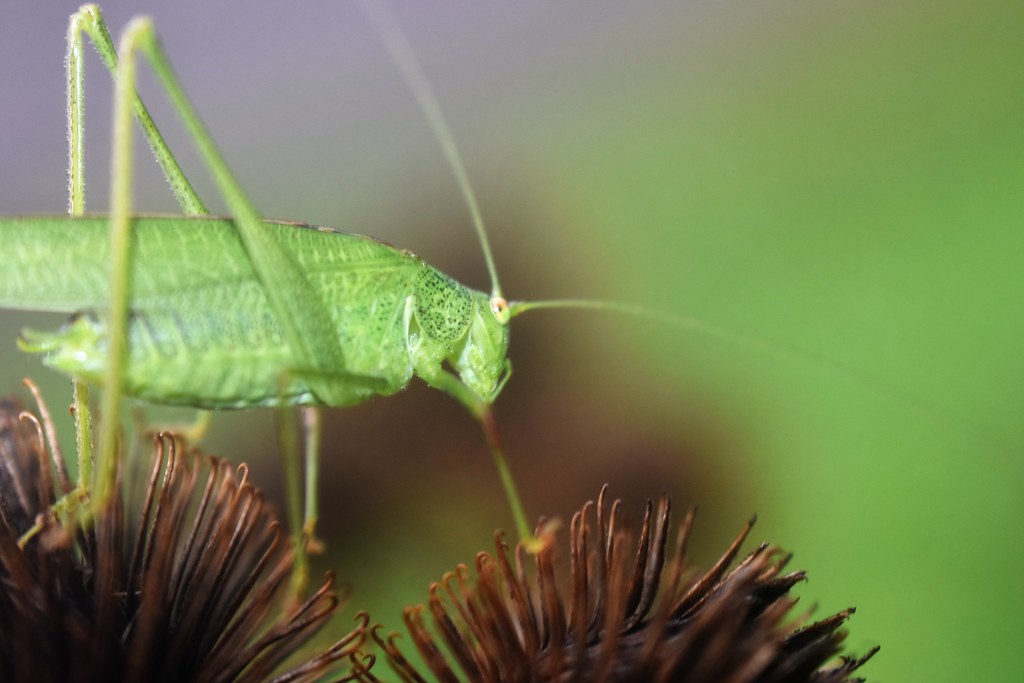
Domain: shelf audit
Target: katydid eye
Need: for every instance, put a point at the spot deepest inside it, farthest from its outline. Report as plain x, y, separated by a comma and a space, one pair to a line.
499, 307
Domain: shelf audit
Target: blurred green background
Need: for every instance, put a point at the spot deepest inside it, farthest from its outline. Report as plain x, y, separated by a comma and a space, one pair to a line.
841, 177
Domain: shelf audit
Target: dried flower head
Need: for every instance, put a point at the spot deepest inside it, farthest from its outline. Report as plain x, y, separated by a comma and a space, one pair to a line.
624, 617
189, 587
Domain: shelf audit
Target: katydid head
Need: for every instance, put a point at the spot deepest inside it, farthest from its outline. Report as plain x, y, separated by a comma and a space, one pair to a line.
482, 362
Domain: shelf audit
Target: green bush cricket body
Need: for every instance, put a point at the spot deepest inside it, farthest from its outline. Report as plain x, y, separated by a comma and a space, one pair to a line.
197, 341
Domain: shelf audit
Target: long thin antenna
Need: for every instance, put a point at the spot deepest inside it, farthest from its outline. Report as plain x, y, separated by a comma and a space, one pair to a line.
394, 40
809, 359
686, 322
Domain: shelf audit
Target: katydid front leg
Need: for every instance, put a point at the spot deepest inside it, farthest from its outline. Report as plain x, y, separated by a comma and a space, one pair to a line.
436, 376
427, 361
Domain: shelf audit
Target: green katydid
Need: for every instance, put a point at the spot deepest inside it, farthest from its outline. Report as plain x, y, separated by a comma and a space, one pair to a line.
239, 312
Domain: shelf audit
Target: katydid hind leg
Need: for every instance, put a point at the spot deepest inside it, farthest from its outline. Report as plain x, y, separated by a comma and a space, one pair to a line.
76, 207
307, 328
89, 20
120, 262
277, 272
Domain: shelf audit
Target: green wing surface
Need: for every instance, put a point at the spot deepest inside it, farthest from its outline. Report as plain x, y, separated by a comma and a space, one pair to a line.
202, 330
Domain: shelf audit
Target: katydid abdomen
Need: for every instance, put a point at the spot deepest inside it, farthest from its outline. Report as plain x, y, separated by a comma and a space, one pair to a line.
202, 332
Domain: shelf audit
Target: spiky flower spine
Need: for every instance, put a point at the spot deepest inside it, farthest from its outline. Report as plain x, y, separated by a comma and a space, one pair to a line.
187, 586
624, 618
